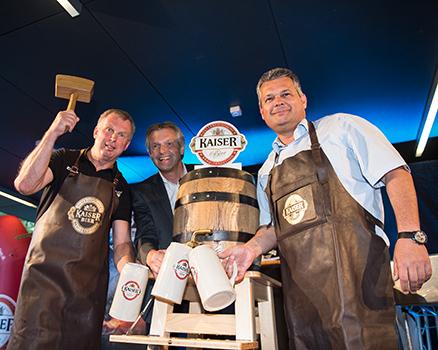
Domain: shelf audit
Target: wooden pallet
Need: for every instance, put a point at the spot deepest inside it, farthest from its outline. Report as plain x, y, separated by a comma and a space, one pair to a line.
187, 342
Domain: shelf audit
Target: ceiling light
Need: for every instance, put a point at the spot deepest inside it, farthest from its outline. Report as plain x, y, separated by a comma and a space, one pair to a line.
235, 111
73, 7
16, 199
427, 122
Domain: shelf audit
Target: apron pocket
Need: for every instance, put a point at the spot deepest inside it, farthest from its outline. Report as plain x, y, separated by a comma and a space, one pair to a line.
300, 209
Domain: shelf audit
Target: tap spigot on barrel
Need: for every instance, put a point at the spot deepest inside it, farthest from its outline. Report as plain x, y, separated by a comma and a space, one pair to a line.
193, 242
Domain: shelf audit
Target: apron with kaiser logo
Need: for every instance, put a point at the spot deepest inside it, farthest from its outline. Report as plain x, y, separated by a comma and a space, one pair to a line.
63, 289
336, 273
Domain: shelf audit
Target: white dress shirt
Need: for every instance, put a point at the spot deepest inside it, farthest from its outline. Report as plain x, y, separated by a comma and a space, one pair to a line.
172, 188
359, 153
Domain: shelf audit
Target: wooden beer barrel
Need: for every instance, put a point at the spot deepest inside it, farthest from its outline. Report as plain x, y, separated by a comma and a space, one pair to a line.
219, 199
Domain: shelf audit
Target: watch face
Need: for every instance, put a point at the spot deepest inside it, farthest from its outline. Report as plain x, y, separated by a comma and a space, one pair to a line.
420, 237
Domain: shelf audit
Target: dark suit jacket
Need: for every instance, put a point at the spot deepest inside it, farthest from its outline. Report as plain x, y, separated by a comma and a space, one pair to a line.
152, 214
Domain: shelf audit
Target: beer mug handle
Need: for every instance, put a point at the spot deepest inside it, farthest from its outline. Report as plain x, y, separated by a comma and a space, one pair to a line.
232, 279
218, 249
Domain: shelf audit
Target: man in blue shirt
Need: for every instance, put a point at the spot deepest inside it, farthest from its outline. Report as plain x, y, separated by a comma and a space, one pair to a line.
320, 203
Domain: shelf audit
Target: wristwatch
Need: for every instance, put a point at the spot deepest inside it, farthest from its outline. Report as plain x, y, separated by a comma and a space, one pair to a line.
419, 236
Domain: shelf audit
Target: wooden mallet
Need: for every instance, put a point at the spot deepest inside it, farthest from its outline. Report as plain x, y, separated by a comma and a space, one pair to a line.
73, 89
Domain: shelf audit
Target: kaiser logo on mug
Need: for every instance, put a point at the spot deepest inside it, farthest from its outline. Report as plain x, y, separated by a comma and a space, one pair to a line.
172, 278
129, 292
182, 269
215, 289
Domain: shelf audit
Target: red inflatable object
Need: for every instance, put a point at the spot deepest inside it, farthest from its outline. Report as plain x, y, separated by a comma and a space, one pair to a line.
14, 242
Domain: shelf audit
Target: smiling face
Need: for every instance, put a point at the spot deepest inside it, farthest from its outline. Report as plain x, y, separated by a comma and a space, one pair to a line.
165, 150
282, 106
112, 136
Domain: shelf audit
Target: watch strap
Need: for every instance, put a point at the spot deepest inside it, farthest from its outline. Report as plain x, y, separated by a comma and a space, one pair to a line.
418, 236
406, 234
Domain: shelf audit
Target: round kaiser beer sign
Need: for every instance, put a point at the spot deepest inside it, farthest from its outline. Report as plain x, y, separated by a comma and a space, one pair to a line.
7, 310
218, 143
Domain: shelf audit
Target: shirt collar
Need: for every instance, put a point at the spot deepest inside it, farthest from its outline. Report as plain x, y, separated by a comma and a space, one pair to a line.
301, 130
170, 182
114, 170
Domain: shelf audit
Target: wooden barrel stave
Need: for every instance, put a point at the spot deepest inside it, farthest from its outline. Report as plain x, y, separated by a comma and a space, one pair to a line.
233, 210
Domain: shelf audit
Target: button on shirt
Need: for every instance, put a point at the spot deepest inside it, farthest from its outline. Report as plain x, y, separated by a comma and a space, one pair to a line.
358, 151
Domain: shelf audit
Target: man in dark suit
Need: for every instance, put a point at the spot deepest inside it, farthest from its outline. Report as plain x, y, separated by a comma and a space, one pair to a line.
153, 199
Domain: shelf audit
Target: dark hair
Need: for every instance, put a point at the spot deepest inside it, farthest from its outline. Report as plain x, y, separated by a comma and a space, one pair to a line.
165, 125
277, 73
120, 113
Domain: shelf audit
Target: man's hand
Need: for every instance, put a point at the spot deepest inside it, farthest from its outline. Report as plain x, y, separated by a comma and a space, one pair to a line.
411, 265
243, 255
263, 241
64, 121
154, 260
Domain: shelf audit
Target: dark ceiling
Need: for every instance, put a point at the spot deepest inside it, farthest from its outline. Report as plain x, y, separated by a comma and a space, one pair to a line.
188, 61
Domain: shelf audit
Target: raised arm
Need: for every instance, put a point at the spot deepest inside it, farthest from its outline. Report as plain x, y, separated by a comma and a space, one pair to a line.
35, 173
411, 260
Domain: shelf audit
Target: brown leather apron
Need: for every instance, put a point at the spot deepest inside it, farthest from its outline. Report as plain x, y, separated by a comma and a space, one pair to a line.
336, 273
63, 289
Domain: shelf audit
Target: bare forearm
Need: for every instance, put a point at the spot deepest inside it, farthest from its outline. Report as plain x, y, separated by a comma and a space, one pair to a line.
401, 193
263, 241
123, 253
32, 175
411, 260
123, 250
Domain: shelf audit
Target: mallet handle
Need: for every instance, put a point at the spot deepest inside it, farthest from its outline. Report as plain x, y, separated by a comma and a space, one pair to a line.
72, 102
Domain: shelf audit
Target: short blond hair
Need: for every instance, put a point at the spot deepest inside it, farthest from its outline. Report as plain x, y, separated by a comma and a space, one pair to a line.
120, 113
